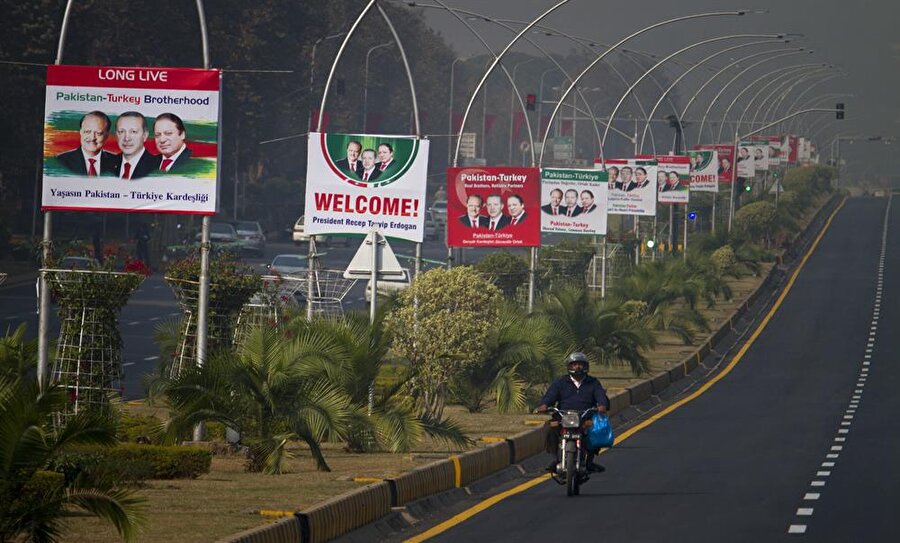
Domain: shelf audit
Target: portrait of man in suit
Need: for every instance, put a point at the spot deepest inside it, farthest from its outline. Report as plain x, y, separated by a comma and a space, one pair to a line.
640, 177
614, 182
90, 159
587, 201
351, 164
628, 183
516, 207
169, 134
571, 207
473, 217
553, 208
496, 219
369, 170
385, 156
131, 133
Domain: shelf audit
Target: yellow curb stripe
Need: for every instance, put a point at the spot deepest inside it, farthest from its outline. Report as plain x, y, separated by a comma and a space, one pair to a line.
493, 500
275, 513
457, 470
367, 480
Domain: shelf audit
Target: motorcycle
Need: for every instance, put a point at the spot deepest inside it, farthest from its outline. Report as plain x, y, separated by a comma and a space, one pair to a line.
571, 466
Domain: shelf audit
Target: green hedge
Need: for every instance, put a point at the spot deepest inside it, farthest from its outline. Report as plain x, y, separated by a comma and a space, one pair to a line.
129, 463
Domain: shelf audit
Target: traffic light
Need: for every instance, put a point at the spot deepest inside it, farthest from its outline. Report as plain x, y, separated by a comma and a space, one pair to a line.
839, 114
530, 102
748, 187
650, 243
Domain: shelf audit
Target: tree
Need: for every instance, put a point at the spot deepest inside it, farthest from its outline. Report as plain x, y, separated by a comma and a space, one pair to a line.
668, 292
605, 334
393, 423
518, 348
35, 502
275, 389
441, 325
757, 221
18, 356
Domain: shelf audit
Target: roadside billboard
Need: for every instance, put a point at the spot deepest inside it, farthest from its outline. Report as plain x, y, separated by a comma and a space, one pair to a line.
673, 179
131, 139
632, 186
359, 182
493, 207
745, 163
725, 156
704, 170
574, 201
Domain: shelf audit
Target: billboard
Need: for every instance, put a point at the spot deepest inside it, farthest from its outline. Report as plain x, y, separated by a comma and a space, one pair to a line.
793, 151
574, 201
131, 139
745, 166
704, 170
760, 156
725, 156
632, 186
493, 207
359, 182
673, 179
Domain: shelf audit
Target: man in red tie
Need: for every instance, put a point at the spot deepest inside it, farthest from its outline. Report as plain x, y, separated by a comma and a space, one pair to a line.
370, 171
473, 217
90, 159
553, 208
131, 133
571, 207
496, 219
516, 207
169, 134
385, 156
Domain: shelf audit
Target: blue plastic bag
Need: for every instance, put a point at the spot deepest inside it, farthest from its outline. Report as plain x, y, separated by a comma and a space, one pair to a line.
600, 434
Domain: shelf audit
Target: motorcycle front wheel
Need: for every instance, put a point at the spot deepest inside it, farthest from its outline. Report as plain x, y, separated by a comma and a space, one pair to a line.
571, 474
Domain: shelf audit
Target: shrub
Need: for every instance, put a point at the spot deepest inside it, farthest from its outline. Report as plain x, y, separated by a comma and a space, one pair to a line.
756, 221
136, 428
132, 464
724, 259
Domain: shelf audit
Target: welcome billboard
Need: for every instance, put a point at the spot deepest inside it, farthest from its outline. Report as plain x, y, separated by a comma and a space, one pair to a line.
359, 182
131, 139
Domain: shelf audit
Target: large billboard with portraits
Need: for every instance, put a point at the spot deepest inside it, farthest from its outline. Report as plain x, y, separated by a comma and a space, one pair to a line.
760, 155
632, 186
574, 201
493, 207
746, 168
673, 179
725, 168
704, 170
131, 139
359, 182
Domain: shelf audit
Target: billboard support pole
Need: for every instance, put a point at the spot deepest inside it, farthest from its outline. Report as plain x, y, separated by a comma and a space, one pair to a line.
734, 179
685, 232
43, 362
203, 297
373, 235
531, 269
603, 272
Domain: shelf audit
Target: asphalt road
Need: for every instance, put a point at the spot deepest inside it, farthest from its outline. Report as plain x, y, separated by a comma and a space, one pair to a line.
794, 443
154, 302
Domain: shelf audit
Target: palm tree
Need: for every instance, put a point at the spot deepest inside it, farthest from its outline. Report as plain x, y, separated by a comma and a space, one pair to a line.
18, 356
276, 388
606, 334
35, 502
518, 349
660, 286
393, 423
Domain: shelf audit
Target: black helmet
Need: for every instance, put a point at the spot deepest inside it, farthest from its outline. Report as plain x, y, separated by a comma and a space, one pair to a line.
581, 358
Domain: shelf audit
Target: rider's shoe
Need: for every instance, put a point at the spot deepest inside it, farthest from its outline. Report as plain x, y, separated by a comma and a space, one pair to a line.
551, 468
595, 468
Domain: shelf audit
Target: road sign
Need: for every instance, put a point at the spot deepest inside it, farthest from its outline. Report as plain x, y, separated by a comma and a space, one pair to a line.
524, 146
361, 265
467, 145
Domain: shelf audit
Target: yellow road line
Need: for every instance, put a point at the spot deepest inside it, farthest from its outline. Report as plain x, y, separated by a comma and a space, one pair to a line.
493, 500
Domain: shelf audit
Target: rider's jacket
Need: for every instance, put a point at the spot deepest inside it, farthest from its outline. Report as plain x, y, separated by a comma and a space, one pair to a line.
579, 398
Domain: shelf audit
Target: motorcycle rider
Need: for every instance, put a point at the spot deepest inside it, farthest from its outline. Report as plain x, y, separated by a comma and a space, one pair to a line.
576, 391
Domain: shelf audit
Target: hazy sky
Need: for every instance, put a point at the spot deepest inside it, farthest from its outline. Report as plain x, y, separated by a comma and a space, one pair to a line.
861, 38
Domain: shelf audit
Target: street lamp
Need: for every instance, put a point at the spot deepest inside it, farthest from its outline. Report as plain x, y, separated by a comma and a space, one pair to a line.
662, 61
789, 72
776, 104
312, 68
511, 97
621, 42
365, 109
790, 82
695, 66
787, 52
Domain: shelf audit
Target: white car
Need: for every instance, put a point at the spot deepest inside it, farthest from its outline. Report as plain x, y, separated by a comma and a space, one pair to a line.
438, 211
294, 265
299, 235
389, 286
